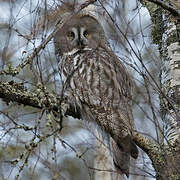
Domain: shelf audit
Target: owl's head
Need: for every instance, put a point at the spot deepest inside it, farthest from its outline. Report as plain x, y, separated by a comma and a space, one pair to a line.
81, 32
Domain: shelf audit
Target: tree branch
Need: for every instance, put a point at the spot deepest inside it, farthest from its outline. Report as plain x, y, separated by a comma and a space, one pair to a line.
166, 6
16, 92
165, 158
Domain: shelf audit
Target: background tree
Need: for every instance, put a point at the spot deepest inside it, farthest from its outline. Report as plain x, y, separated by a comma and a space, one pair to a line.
36, 140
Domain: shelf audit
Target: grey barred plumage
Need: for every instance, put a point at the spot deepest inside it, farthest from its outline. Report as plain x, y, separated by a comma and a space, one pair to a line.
98, 83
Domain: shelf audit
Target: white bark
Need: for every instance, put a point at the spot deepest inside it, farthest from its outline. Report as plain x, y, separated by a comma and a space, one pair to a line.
171, 83
174, 88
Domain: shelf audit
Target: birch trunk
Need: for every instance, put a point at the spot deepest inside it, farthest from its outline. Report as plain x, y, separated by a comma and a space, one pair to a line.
166, 34
171, 82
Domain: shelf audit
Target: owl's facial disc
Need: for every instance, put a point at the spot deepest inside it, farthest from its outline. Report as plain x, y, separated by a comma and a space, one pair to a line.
81, 33
78, 37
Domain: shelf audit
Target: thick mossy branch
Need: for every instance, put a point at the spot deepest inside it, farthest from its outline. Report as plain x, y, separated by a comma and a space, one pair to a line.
16, 92
147, 145
152, 149
165, 158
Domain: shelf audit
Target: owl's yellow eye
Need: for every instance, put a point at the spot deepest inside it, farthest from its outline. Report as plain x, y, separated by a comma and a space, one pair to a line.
71, 35
86, 34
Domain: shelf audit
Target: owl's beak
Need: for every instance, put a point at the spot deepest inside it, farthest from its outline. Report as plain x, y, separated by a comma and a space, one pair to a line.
81, 44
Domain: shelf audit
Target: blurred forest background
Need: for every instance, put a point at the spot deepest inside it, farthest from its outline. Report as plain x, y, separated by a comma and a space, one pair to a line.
33, 143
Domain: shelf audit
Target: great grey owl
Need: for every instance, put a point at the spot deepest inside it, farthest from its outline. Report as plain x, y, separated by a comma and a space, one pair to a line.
97, 82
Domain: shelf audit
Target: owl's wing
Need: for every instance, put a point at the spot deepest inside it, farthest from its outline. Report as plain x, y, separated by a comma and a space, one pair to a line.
123, 147
125, 82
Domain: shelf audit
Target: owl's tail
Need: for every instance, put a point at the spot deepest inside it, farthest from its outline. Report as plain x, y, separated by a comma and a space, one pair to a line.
121, 155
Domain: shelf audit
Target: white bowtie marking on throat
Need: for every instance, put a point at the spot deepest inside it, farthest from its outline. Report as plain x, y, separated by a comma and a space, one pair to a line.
75, 50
